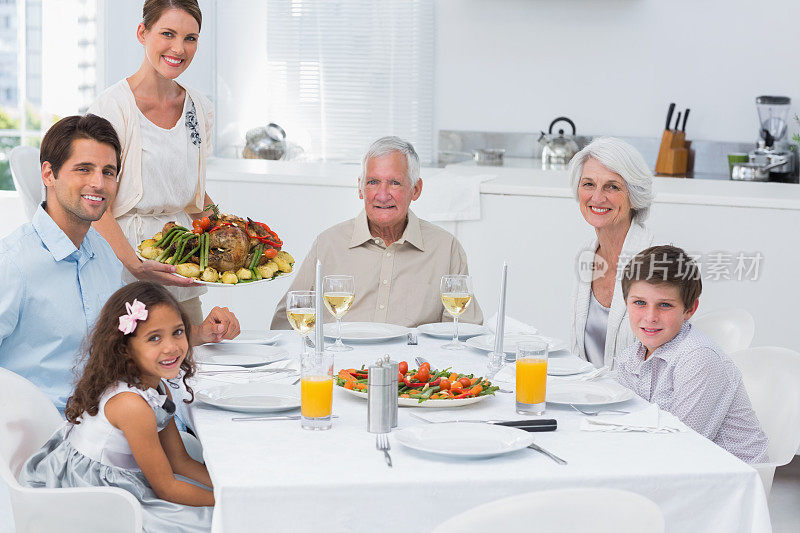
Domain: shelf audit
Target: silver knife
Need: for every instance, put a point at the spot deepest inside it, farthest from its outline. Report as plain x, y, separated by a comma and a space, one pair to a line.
246, 370
286, 417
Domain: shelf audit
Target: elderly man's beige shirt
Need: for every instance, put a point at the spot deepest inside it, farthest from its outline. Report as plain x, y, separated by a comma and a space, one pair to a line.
398, 284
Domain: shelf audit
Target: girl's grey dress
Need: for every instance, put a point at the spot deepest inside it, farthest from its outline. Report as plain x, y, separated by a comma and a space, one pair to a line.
96, 454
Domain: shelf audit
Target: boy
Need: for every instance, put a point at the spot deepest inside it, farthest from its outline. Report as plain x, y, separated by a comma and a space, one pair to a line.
678, 367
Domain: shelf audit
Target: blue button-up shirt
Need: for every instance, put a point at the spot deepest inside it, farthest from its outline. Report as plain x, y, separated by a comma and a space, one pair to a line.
50, 296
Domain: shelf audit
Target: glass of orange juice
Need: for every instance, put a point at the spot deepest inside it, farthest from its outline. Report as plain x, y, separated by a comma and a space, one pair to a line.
316, 390
531, 377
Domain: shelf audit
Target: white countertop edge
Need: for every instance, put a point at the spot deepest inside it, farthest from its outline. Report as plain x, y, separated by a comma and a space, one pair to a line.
513, 182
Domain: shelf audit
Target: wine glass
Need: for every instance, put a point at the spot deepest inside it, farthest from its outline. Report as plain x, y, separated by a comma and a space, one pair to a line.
456, 291
338, 293
301, 312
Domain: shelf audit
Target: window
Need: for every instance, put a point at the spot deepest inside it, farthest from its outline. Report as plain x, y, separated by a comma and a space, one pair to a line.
45, 71
338, 74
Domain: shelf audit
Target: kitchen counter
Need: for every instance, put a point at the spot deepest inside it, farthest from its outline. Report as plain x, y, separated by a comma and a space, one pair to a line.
522, 177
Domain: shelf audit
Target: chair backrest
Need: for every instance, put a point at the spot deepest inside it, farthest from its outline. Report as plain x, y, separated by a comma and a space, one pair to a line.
771, 377
731, 329
27, 419
27, 175
553, 511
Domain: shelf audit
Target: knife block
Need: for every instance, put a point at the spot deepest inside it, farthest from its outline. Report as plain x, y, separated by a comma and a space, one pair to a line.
673, 156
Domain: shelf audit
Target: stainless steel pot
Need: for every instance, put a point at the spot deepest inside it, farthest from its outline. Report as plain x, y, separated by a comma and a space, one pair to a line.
557, 150
754, 171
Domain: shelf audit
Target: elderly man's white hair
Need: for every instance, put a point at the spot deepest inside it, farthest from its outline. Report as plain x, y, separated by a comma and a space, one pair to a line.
385, 146
623, 159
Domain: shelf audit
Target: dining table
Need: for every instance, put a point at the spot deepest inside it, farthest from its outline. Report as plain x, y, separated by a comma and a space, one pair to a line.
273, 475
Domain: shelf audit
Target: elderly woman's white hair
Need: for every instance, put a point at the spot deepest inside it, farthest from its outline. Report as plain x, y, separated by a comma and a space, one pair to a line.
623, 159
385, 146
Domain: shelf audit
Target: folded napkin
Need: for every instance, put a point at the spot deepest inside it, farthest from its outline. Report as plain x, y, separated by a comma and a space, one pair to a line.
511, 326
450, 195
651, 419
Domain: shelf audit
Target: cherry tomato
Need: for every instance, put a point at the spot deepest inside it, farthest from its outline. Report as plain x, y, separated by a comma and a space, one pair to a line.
400, 377
205, 223
425, 365
196, 223
465, 382
403, 367
423, 374
456, 386
444, 384
197, 231
270, 253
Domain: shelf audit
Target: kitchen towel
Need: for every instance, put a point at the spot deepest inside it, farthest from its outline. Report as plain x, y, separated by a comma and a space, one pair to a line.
449, 195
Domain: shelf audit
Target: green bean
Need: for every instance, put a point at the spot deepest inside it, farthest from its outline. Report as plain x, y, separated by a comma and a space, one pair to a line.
207, 246
165, 237
203, 251
256, 274
180, 246
190, 254
257, 251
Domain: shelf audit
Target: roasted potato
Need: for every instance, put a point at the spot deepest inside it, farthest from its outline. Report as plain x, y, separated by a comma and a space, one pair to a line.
267, 270
157, 237
210, 275
283, 264
243, 273
149, 243
228, 277
151, 252
286, 256
190, 270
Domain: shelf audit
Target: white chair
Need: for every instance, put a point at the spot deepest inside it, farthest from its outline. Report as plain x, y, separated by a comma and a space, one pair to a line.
27, 175
27, 420
771, 377
557, 511
731, 329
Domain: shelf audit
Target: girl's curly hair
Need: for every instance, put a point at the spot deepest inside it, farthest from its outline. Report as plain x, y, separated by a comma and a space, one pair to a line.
105, 351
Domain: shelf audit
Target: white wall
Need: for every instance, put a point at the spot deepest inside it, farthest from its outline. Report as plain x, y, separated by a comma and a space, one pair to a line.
614, 65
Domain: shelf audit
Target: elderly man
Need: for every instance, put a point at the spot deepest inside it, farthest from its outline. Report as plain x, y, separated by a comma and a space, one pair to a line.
397, 259
56, 272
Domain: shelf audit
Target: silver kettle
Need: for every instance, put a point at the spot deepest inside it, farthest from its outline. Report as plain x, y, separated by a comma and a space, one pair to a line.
557, 150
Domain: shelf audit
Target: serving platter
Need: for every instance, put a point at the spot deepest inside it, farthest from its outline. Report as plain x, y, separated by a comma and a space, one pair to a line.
412, 402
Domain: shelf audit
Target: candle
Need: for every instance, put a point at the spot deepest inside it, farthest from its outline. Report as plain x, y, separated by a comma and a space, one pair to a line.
319, 344
497, 357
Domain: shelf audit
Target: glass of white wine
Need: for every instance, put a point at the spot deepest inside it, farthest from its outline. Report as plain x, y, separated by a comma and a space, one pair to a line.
456, 291
301, 312
338, 293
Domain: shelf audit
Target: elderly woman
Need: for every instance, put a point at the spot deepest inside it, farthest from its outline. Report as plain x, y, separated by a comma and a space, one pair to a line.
614, 189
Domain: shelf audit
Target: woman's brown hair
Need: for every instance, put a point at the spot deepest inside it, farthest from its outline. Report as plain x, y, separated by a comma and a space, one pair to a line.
153, 9
106, 349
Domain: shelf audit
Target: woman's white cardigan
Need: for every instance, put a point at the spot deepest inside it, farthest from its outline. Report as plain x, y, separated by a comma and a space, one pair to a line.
618, 331
118, 105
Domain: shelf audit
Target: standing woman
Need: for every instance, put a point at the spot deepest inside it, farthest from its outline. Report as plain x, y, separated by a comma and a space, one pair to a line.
165, 132
614, 189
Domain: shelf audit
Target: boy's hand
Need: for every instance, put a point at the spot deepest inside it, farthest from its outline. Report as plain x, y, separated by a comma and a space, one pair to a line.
220, 324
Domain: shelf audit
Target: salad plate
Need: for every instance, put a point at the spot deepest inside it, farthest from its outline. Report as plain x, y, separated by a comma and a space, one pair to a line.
238, 354
510, 341
253, 397
365, 331
586, 392
464, 439
444, 330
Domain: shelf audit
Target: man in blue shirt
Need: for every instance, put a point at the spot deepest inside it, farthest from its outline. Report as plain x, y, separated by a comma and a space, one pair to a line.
56, 272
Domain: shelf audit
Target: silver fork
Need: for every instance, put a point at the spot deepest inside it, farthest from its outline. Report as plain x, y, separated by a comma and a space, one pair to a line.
595, 413
382, 444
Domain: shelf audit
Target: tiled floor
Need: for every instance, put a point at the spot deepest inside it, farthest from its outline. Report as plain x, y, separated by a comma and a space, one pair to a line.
784, 501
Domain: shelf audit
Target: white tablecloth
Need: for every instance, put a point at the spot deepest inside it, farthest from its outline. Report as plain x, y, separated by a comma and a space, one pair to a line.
273, 475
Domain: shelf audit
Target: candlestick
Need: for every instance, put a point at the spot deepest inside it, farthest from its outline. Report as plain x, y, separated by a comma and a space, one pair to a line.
497, 357
319, 343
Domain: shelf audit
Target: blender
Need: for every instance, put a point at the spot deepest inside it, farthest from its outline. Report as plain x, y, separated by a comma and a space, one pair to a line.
773, 117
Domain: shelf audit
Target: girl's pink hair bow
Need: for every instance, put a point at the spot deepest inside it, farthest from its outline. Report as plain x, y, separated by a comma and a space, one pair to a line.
136, 311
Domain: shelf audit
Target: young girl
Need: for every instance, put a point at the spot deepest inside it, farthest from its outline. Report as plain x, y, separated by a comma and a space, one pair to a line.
120, 430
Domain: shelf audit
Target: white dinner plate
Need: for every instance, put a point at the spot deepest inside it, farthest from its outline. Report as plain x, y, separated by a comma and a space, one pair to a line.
587, 392
365, 331
510, 340
254, 336
567, 366
412, 402
464, 439
444, 330
238, 354
253, 397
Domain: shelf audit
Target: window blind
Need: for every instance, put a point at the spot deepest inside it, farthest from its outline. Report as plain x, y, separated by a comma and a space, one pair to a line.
342, 73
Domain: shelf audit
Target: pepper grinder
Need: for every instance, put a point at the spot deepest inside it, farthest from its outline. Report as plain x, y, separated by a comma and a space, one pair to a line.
379, 397
395, 369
